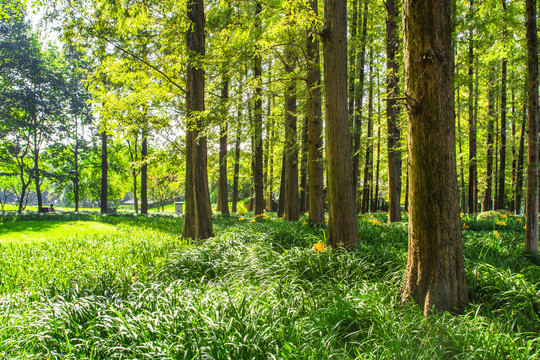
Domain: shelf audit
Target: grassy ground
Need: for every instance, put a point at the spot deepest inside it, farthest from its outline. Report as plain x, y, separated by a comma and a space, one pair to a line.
131, 288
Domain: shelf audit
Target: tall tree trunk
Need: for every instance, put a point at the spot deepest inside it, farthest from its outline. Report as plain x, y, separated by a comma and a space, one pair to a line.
270, 167
236, 162
104, 170
502, 149
435, 276
358, 103
531, 235
461, 170
315, 126
281, 201
223, 193
514, 156
198, 217
375, 200
144, 173
342, 224
368, 165
258, 145
291, 211
76, 170
519, 170
303, 167
486, 202
473, 180
352, 60
392, 113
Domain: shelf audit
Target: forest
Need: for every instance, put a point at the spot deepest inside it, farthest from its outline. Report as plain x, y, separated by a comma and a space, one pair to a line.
351, 179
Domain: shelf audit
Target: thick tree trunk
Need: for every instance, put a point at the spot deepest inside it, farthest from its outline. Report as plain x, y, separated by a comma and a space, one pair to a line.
352, 60
315, 126
144, 174
104, 170
461, 170
236, 162
198, 217
342, 224
135, 189
435, 276
358, 104
291, 211
531, 235
258, 145
486, 202
392, 111
223, 193
282, 186
514, 156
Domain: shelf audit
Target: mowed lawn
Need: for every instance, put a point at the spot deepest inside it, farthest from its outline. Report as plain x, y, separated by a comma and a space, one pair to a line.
31, 231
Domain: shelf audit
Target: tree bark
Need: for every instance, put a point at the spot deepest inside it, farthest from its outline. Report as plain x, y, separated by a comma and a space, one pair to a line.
104, 170
198, 217
315, 126
358, 103
257, 123
473, 179
236, 162
223, 193
531, 234
502, 149
392, 113
435, 276
519, 169
487, 201
291, 210
368, 164
144, 173
342, 224
303, 167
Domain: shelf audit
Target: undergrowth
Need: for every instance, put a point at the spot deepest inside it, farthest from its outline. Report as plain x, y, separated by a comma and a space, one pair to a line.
258, 291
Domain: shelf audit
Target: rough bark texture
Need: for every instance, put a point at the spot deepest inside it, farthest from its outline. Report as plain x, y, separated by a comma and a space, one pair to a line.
257, 124
104, 170
342, 224
303, 167
315, 126
292, 209
392, 110
520, 161
223, 193
435, 276
531, 234
198, 217
368, 163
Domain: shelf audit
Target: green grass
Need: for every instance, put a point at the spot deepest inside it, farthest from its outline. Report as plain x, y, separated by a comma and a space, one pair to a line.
255, 291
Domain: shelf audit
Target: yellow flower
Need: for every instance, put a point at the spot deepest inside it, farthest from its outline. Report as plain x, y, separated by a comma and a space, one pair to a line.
253, 220
284, 215
519, 219
318, 247
305, 222
326, 220
375, 222
240, 219
502, 223
504, 216
465, 226
497, 235
307, 214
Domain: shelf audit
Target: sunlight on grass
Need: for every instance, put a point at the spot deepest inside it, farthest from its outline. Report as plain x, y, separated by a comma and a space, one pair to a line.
32, 231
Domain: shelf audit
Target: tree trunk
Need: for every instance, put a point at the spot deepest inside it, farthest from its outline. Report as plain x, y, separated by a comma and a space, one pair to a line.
223, 193
104, 170
282, 186
236, 162
315, 126
258, 145
461, 170
198, 217
392, 113
352, 60
531, 235
368, 164
435, 276
519, 169
303, 167
342, 224
473, 180
486, 202
375, 200
514, 156
144, 173
358, 103
291, 210
502, 149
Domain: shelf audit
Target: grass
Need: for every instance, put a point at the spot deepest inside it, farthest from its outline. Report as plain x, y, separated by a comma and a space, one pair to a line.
255, 291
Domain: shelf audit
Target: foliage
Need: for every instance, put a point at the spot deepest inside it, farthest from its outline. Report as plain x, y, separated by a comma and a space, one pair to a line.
257, 290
